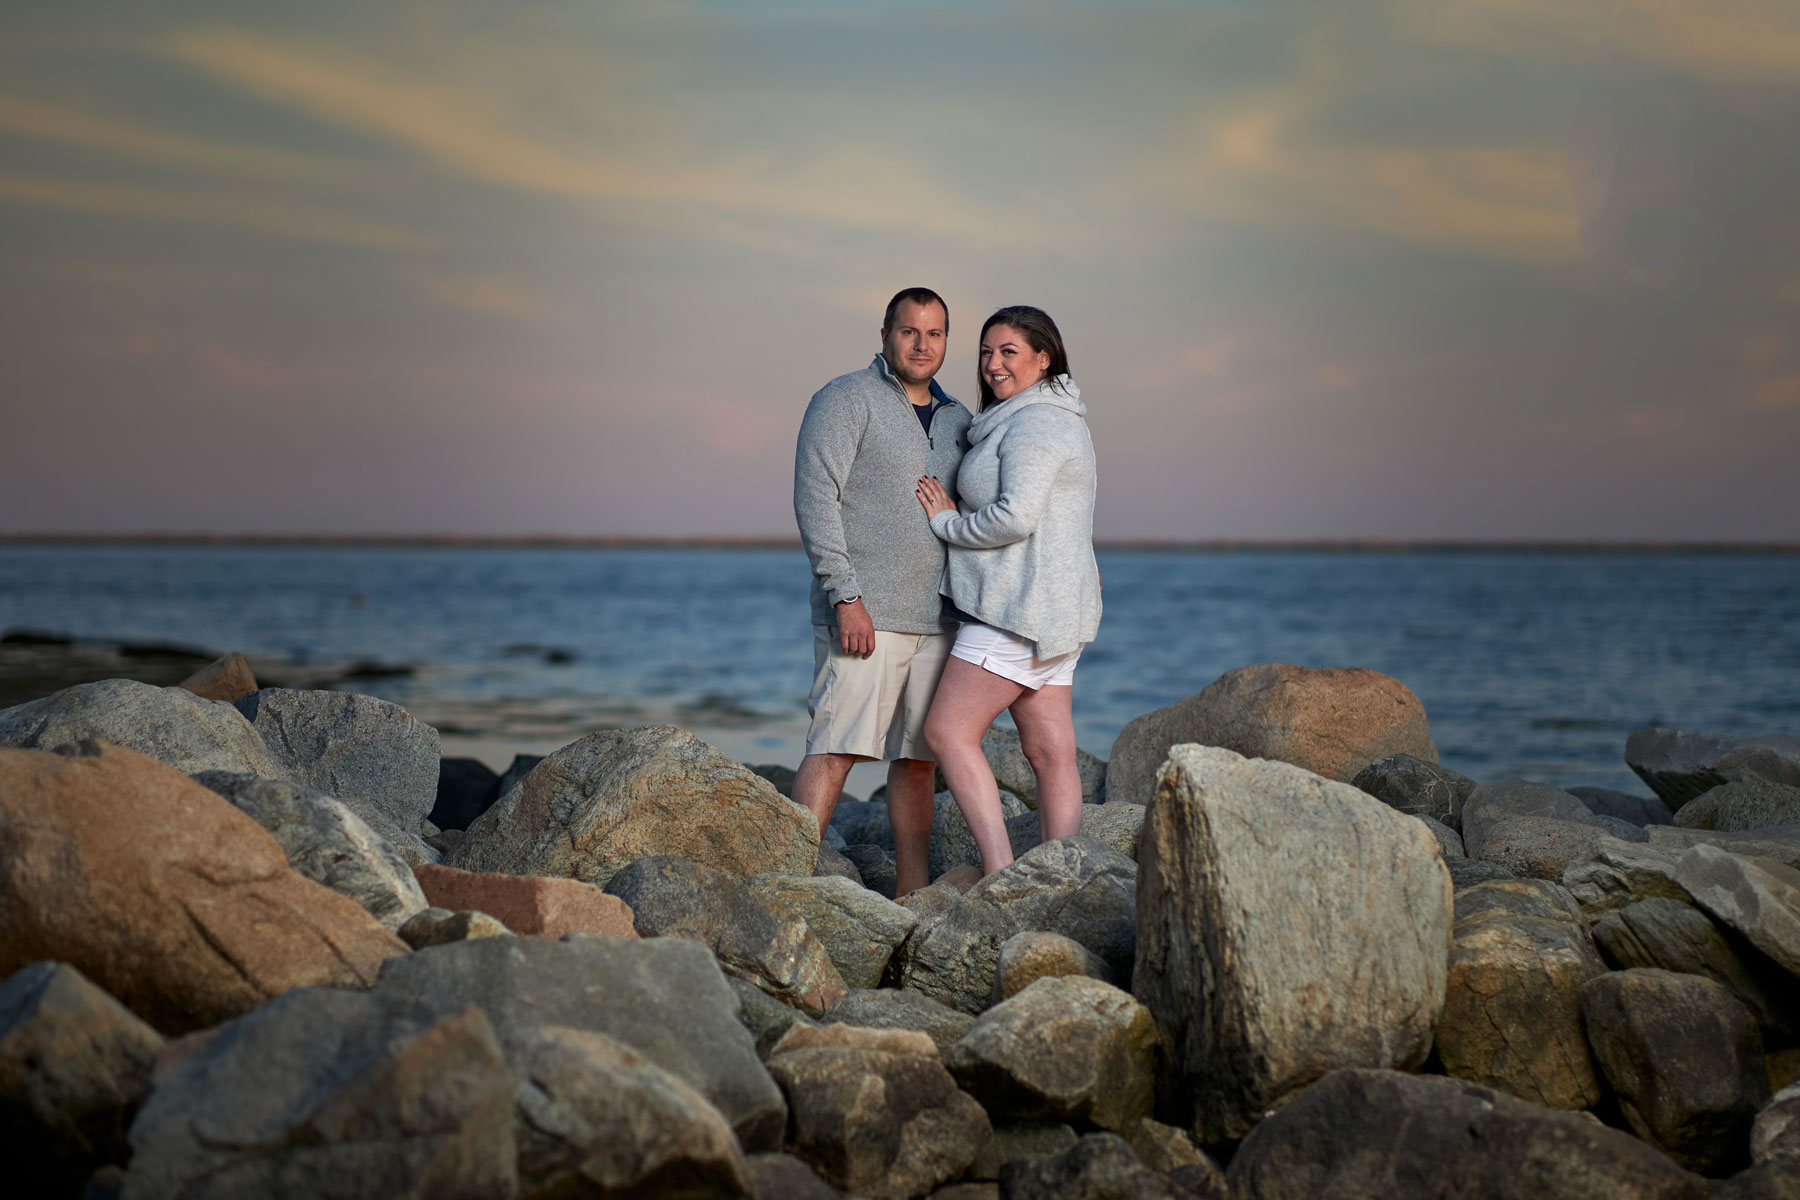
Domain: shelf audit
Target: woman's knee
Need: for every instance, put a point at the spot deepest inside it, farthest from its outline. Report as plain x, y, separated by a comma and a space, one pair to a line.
1047, 750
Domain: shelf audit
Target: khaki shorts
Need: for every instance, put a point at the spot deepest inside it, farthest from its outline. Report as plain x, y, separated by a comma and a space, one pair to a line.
874, 707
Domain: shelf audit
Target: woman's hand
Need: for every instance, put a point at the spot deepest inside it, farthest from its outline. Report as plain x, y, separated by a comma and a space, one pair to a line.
932, 495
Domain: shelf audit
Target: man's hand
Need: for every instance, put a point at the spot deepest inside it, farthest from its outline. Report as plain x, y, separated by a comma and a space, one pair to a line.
856, 632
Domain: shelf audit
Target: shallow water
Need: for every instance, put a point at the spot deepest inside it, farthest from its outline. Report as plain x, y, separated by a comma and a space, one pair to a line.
1529, 665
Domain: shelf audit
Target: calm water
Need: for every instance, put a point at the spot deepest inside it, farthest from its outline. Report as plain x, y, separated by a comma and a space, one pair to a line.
1528, 665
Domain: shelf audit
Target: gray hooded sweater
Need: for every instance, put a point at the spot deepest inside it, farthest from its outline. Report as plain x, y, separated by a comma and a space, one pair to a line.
1022, 541
859, 458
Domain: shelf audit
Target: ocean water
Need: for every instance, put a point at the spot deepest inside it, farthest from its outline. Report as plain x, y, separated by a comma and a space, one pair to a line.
1531, 665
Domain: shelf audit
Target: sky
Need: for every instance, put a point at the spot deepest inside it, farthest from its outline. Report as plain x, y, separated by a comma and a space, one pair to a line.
1388, 269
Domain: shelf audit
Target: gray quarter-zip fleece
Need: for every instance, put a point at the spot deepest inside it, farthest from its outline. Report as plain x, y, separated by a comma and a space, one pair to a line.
859, 458
1022, 544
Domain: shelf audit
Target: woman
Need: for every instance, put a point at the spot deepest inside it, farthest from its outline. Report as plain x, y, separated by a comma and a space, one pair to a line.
1021, 571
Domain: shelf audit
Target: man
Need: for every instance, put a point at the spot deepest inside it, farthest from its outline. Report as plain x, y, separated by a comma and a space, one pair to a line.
880, 639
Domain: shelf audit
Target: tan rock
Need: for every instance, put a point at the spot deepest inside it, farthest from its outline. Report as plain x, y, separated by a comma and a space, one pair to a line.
856, 1037
961, 878
223, 679
1035, 954
1334, 722
440, 927
162, 893
534, 905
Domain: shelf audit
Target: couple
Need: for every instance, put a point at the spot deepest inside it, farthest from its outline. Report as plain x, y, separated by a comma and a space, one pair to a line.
916, 517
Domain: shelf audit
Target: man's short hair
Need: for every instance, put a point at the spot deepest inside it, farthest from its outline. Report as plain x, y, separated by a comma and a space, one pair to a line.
914, 295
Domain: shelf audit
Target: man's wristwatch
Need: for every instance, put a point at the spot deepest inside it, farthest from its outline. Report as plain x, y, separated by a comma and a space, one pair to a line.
851, 600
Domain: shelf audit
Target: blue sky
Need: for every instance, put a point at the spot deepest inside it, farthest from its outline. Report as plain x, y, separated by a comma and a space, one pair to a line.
1358, 268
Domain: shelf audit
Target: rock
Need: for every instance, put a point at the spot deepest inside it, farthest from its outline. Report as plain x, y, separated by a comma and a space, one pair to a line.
1468, 872
1771, 1181
960, 878
1075, 886
954, 959
1500, 899
878, 1124
856, 1037
327, 843
831, 861
1621, 873
1491, 803
1637, 810
783, 1177
466, 788
952, 845
1286, 925
863, 823
519, 768
1541, 847
74, 1063
162, 893
529, 904
440, 926
780, 778
1064, 1049
1164, 1148
1100, 1166
1034, 954
858, 928
617, 796
1775, 1135
1417, 788
323, 1092
597, 1118
1449, 841
356, 748
767, 1018
664, 997
1734, 807
1118, 825
1013, 771
222, 680
1779, 842
1021, 1140
1383, 1133
876, 867
672, 897
1675, 936
1512, 1009
1685, 1060
1332, 722
169, 724
1679, 766
1758, 898
901, 1008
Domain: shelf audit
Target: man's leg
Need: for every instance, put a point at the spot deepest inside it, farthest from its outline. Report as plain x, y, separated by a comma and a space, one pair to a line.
967, 701
910, 809
820, 781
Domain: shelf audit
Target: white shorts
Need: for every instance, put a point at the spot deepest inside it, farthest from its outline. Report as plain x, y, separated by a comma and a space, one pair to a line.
1012, 657
874, 707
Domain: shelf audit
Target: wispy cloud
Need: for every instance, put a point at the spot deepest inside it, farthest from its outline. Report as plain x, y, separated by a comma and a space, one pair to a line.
485, 295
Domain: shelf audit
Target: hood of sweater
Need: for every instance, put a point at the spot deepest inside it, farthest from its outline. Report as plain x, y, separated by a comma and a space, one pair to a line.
1060, 392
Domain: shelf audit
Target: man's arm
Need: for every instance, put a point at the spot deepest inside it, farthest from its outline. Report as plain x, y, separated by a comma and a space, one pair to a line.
830, 433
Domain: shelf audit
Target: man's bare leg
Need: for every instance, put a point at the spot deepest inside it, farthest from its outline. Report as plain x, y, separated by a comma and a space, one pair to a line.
909, 799
819, 782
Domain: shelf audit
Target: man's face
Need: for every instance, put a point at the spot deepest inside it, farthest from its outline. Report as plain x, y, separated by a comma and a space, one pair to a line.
914, 344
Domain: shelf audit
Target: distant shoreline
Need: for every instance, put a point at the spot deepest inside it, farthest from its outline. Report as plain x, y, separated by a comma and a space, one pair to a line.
1204, 546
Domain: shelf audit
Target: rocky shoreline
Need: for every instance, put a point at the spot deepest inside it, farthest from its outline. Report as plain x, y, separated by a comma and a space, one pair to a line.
268, 941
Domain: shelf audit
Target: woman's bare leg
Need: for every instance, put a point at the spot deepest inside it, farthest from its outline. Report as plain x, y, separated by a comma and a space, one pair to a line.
967, 701
1046, 722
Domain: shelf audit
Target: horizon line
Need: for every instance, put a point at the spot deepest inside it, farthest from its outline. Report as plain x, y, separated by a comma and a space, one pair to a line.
751, 542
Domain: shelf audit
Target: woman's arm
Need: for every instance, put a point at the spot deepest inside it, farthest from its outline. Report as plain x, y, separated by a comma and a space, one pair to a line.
1030, 460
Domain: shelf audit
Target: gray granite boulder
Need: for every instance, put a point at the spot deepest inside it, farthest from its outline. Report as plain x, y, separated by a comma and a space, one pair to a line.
863, 823
169, 724
767, 1018
954, 958
1775, 1135
1685, 1060
357, 748
900, 1008
1118, 825
1491, 803
1770, 1181
831, 861
1779, 842
776, 951
1619, 873
858, 928
666, 998
1075, 886
621, 795
1679, 766
1286, 925
1758, 898
1543, 847
1098, 1167
1024, 1139
952, 845
325, 1092
1417, 788
74, 1063
775, 1176
1623, 806
1449, 841
1750, 804
1673, 935
876, 869
1503, 898
1013, 771
327, 843
1469, 872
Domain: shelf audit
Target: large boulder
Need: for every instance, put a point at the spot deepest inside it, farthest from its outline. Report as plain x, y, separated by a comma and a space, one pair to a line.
1417, 788
1775, 1135
161, 892
877, 1123
1034, 954
954, 957
1013, 771
466, 788
1751, 804
169, 724
1758, 898
1684, 1058
530, 905
1383, 1133
901, 1008
1541, 847
333, 1093
327, 843
1679, 766
1064, 1049
224, 679
1491, 803
621, 795
1100, 1166
858, 928
1287, 925
672, 897
74, 1063
594, 1117
1333, 722
358, 748
663, 997
1779, 842
1675, 936
1618, 873
952, 842
1623, 806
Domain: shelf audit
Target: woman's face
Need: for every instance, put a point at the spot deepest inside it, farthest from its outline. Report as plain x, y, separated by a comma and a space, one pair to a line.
1008, 363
